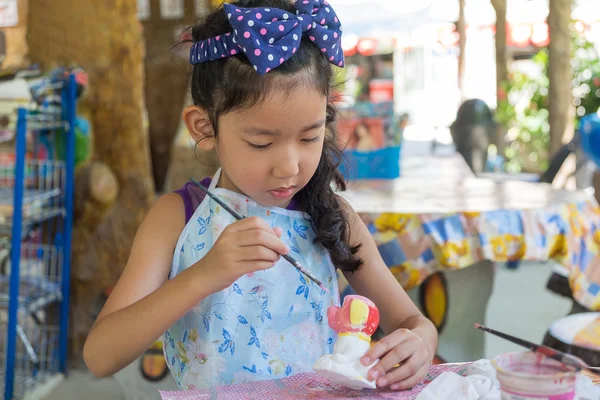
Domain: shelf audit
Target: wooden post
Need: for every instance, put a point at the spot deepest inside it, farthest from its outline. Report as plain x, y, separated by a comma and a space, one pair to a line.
559, 73
462, 44
167, 80
501, 63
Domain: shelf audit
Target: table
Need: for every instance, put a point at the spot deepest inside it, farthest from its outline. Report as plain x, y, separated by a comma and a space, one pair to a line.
308, 385
439, 218
422, 227
421, 160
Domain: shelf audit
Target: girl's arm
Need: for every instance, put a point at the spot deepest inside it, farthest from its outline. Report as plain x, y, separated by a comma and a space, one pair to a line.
144, 304
375, 281
411, 338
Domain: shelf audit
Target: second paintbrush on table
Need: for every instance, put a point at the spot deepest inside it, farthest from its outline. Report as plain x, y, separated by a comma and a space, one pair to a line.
566, 359
239, 217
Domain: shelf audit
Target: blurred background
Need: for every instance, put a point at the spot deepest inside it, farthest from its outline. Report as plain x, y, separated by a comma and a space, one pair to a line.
476, 97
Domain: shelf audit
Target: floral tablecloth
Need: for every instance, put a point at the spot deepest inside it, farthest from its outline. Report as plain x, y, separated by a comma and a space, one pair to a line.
424, 225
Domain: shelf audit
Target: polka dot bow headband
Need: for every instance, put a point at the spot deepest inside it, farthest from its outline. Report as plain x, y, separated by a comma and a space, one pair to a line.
270, 36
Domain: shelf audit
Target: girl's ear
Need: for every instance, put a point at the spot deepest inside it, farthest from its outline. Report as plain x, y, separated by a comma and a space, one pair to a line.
199, 126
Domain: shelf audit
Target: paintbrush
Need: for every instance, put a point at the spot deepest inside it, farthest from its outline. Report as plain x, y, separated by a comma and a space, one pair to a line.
239, 217
564, 358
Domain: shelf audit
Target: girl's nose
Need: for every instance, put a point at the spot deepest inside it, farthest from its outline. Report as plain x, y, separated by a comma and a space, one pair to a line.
286, 166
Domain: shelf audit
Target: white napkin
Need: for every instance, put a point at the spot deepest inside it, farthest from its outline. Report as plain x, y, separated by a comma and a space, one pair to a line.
451, 386
481, 384
482, 367
585, 389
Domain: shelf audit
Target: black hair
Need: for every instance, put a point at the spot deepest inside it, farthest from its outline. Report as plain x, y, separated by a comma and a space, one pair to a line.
231, 83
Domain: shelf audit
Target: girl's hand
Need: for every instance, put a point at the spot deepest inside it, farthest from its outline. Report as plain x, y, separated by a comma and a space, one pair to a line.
402, 347
246, 246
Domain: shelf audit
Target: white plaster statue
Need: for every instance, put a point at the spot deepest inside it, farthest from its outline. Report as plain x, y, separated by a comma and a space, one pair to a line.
354, 322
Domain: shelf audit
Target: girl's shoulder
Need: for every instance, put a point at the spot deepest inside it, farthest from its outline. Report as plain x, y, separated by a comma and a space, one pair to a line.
158, 234
168, 210
191, 196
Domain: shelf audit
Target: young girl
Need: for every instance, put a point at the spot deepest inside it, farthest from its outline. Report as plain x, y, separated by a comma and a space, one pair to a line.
231, 310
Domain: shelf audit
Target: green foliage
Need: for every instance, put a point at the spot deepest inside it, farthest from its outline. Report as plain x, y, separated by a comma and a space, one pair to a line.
523, 107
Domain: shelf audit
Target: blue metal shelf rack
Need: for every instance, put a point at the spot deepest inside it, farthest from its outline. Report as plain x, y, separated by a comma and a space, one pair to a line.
35, 247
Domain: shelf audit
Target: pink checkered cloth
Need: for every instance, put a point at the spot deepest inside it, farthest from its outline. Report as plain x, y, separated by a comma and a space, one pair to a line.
305, 386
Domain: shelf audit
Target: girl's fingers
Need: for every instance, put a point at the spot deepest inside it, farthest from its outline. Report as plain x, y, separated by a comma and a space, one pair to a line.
385, 345
394, 357
253, 266
413, 380
259, 237
250, 223
258, 253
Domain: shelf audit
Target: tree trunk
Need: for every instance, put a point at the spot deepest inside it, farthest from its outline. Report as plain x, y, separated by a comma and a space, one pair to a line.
105, 38
167, 79
500, 39
559, 73
165, 92
462, 44
501, 63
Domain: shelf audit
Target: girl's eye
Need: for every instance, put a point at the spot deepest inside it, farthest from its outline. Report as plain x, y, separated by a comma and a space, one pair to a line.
260, 146
311, 140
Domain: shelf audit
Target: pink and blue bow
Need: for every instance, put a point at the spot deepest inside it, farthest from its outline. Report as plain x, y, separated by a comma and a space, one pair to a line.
270, 36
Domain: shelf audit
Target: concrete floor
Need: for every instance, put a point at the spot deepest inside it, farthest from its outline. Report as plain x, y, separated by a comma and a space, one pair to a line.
81, 384
519, 304
522, 305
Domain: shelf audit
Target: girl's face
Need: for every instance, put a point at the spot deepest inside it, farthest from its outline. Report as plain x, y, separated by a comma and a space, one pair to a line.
270, 151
